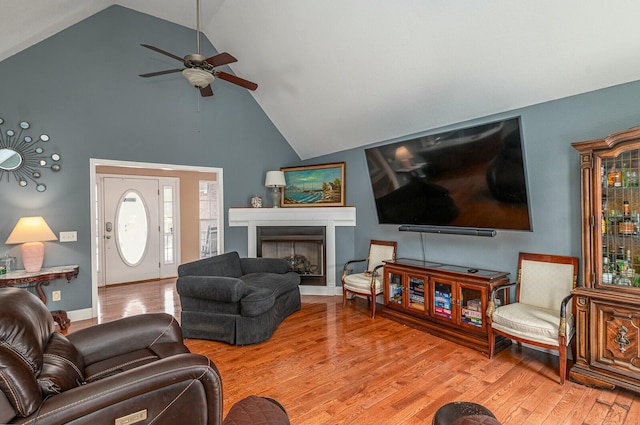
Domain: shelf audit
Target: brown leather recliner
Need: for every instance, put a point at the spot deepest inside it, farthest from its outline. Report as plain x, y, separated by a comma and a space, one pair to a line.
132, 370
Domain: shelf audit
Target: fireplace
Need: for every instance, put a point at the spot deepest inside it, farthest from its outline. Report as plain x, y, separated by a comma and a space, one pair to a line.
328, 218
302, 246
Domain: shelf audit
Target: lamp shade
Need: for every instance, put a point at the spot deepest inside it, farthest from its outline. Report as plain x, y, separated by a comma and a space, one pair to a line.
403, 154
31, 229
275, 179
31, 232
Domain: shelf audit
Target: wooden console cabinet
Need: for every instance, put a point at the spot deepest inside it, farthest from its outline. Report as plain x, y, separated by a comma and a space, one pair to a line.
443, 299
608, 303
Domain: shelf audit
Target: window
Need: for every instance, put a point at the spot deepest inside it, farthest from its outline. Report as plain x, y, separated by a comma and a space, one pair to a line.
208, 218
167, 224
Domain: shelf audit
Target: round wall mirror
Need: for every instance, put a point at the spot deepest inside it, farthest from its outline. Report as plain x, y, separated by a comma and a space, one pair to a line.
24, 157
10, 159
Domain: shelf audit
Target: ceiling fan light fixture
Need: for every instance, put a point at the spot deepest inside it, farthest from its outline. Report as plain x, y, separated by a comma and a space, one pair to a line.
197, 77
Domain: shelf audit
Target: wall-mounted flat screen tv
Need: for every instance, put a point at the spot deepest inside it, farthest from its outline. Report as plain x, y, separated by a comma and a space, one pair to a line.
470, 178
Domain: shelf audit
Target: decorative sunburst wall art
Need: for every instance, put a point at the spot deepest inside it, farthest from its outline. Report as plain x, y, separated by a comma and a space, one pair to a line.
24, 158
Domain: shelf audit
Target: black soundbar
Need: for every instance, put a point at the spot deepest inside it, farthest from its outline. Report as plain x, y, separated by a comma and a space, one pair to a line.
448, 230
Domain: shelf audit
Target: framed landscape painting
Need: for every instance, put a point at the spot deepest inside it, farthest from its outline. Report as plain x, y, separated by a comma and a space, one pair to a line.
314, 186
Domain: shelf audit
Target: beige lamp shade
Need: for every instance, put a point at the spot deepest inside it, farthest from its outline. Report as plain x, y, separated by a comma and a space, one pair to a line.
31, 232
275, 179
404, 156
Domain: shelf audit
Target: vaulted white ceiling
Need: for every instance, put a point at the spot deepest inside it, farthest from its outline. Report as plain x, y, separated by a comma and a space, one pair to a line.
338, 74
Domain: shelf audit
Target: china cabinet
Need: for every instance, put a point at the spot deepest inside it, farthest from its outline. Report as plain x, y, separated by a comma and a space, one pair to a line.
446, 300
608, 302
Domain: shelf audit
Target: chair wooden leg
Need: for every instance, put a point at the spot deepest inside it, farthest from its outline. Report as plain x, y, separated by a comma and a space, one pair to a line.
373, 307
492, 342
344, 297
562, 350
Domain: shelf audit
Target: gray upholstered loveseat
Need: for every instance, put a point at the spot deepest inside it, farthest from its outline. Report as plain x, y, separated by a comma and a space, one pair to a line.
236, 300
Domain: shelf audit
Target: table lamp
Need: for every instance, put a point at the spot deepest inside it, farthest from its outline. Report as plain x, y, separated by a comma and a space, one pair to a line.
404, 156
275, 180
31, 232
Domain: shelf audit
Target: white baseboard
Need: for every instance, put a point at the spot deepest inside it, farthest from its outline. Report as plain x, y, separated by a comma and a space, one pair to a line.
320, 290
84, 314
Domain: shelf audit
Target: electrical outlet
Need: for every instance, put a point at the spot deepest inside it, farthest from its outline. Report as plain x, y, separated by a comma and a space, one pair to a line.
56, 295
68, 236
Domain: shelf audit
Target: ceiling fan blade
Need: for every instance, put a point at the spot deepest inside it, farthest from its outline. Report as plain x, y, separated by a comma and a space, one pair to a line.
168, 71
221, 59
155, 49
206, 91
237, 80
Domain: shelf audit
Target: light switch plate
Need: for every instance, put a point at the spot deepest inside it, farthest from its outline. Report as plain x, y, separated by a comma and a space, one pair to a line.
68, 236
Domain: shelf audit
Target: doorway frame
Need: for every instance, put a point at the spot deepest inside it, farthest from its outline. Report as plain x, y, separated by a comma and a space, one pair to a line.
95, 162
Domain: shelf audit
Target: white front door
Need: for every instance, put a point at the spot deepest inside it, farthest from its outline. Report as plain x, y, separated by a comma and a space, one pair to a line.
131, 232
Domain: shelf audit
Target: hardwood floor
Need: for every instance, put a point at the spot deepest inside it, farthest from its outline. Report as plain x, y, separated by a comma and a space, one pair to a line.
329, 365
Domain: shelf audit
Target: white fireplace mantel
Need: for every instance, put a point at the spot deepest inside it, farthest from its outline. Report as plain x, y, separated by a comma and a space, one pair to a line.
328, 217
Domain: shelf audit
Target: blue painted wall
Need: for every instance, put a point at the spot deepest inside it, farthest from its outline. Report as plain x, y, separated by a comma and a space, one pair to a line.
81, 87
553, 183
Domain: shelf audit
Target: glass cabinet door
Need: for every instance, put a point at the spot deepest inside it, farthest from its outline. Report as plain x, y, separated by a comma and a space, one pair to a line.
416, 292
442, 299
471, 308
620, 220
394, 288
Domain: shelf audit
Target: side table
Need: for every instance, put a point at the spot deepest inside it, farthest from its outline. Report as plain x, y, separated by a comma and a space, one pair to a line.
24, 279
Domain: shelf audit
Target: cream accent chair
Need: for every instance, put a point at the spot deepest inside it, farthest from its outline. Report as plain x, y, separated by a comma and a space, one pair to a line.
542, 315
368, 282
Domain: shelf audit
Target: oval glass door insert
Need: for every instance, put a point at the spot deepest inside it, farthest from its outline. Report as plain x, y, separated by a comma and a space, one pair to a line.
132, 222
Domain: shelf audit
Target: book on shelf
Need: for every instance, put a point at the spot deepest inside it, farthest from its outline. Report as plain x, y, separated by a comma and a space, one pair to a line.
475, 304
443, 311
416, 298
472, 321
471, 314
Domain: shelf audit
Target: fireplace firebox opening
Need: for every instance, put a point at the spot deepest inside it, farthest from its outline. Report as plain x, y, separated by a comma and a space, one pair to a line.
304, 247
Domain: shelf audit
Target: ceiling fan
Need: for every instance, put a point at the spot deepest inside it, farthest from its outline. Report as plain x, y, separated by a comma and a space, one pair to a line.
199, 70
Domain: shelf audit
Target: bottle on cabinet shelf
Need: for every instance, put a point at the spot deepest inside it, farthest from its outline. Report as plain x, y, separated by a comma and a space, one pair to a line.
625, 270
614, 177
621, 174
613, 220
626, 226
620, 254
607, 271
632, 177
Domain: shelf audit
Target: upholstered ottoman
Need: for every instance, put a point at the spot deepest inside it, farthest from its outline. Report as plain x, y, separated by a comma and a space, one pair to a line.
255, 410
